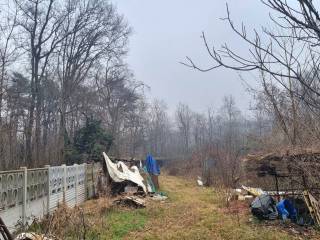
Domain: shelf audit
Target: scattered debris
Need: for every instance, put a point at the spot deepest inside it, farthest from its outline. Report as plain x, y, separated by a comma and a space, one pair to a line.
244, 197
293, 177
154, 170
128, 182
159, 197
254, 191
264, 207
295, 209
200, 182
6, 235
313, 206
119, 172
286, 210
130, 189
240, 194
147, 178
131, 179
31, 236
131, 201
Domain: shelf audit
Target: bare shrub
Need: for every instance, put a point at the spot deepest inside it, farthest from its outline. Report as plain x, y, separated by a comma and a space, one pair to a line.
73, 223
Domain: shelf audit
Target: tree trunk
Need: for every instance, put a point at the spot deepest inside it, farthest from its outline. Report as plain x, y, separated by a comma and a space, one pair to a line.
28, 130
62, 130
1, 128
38, 125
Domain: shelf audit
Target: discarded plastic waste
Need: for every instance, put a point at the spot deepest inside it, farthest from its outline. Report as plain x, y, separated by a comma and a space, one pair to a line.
200, 182
244, 197
150, 186
152, 166
254, 191
154, 170
119, 172
131, 201
158, 197
130, 189
31, 236
264, 207
286, 210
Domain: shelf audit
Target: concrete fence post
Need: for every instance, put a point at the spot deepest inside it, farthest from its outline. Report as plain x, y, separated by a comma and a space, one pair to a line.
25, 195
76, 182
93, 187
48, 189
85, 181
64, 182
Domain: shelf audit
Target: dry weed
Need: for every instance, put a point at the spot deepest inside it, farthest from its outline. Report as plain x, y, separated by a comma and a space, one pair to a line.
74, 223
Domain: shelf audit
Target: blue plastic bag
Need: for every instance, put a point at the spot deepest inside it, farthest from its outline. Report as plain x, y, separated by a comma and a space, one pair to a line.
152, 165
286, 210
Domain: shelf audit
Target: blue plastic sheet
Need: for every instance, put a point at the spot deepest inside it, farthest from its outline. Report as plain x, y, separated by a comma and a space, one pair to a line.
152, 165
286, 210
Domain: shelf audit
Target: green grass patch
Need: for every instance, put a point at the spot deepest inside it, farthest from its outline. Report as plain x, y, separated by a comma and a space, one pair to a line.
190, 212
121, 222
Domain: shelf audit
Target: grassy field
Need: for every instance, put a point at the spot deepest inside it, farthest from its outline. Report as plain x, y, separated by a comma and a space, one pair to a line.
190, 213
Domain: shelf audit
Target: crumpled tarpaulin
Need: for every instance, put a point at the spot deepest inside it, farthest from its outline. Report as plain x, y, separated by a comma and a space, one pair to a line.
152, 165
119, 172
264, 207
150, 186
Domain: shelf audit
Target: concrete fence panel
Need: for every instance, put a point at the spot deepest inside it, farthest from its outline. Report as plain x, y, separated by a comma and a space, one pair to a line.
56, 187
37, 194
11, 202
26, 194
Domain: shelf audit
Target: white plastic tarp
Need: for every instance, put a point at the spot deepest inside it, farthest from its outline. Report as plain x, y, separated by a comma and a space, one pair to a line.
119, 172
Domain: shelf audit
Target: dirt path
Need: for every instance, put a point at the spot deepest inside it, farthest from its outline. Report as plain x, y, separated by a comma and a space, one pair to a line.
191, 212
194, 213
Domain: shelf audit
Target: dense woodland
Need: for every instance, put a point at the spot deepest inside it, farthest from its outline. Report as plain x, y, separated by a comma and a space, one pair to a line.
67, 93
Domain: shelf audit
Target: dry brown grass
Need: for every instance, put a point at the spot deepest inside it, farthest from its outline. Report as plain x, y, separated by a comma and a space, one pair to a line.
200, 213
73, 223
191, 212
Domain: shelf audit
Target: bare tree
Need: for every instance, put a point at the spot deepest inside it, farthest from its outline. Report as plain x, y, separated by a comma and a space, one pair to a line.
64, 78
119, 95
8, 54
17, 100
94, 33
40, 22
286, 54
200, 128
133, 135
158, 127
184, 123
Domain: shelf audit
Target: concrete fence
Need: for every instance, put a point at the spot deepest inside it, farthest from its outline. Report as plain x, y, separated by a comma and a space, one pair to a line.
26, 194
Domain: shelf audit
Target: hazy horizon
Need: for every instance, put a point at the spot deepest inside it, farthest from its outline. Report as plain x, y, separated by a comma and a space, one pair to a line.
160, 26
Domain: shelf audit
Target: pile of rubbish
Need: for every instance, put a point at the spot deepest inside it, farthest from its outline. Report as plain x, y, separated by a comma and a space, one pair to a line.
301, 209
31, 236
132, 184
6, 235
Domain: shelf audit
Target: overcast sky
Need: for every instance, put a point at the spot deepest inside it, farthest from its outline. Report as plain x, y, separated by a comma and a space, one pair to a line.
165, 31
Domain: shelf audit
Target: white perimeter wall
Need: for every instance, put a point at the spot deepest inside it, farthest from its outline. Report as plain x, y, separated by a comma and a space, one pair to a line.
26, 194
